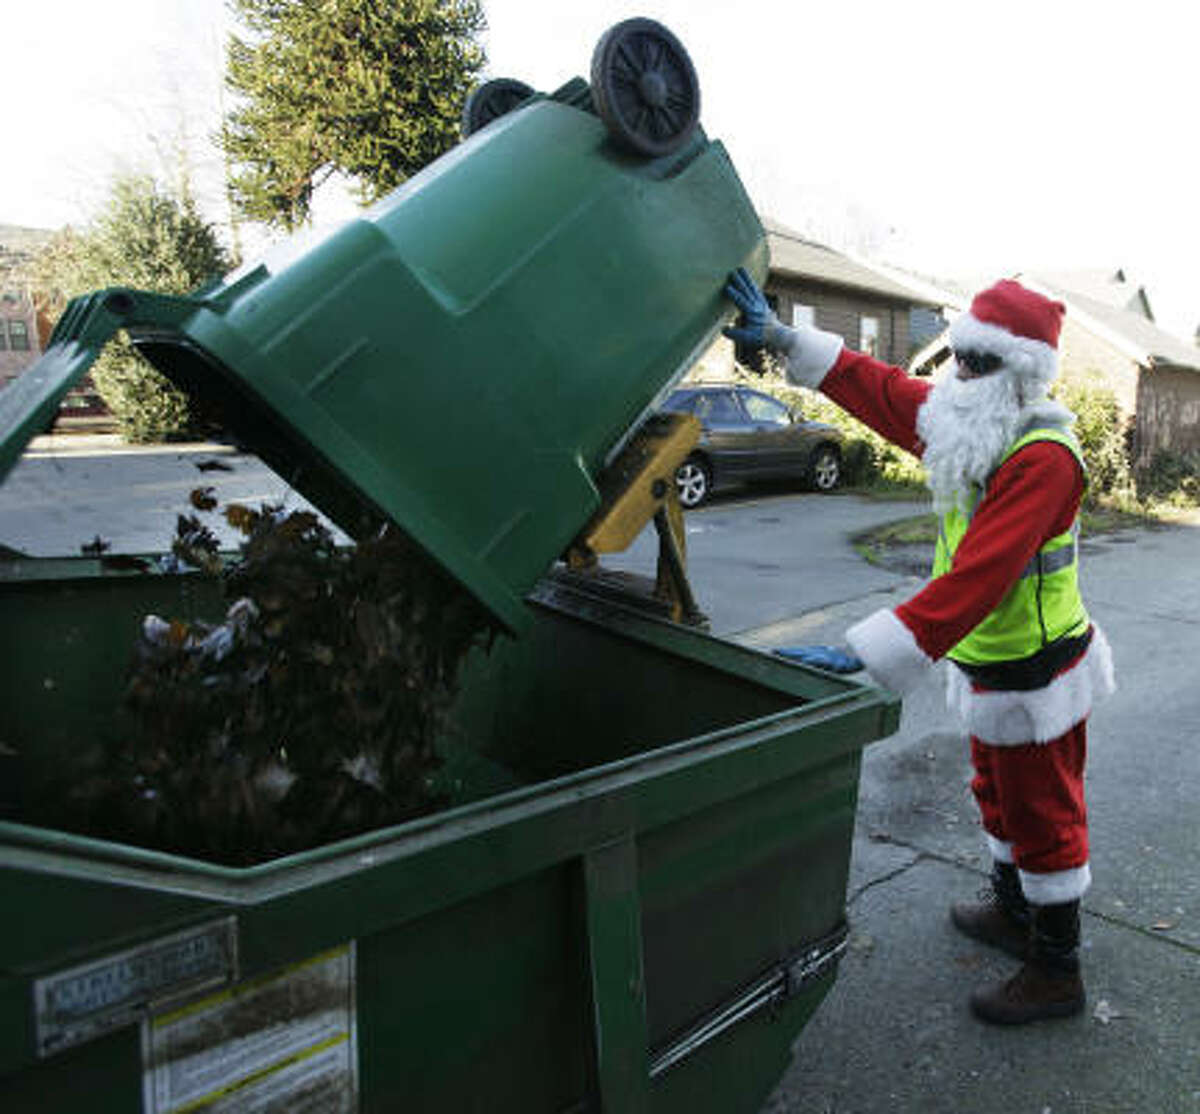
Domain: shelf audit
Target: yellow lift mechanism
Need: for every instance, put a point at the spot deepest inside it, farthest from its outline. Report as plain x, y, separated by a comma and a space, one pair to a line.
639, 486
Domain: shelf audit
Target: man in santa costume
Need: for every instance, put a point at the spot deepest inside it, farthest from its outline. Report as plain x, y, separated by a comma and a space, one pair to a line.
1003, 606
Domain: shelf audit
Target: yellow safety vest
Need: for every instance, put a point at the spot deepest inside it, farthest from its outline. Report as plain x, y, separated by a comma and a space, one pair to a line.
1044, 605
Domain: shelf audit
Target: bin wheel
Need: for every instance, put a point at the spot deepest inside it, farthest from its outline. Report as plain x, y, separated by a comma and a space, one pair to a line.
644, 87
492, 100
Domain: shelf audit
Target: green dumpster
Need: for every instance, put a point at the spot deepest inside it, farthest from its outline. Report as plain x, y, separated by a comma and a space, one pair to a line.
634, 896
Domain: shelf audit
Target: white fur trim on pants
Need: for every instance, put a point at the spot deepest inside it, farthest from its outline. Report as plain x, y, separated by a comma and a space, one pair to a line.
1043, 889
1001, 852
1013, 718
810, 353
889, 651
1056, 887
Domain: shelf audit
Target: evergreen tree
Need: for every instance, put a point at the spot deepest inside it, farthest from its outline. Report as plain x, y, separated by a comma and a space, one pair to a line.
371, 88
148, 239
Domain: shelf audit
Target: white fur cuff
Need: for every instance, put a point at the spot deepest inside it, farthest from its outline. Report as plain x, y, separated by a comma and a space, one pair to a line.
1057, 887
810, 353
889, 651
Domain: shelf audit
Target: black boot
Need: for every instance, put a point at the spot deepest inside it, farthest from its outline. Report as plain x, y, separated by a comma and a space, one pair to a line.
1049, 984
1001, 917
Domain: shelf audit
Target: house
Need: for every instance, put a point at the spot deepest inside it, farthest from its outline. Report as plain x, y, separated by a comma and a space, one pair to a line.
815, 285
25, 327
19, 341
1110, 338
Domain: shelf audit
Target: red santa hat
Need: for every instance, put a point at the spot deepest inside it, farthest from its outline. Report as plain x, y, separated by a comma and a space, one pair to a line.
1018, 325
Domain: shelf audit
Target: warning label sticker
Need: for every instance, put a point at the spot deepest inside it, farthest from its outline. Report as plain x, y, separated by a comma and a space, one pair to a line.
282, 1042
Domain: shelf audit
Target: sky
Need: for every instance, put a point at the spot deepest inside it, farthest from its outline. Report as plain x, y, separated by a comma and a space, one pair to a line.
952, 138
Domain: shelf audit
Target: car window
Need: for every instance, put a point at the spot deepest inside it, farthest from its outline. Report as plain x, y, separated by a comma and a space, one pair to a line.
763, 408
680, 402
719, 408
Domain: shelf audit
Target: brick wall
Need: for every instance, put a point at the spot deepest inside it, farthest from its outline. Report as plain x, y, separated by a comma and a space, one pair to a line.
17, 319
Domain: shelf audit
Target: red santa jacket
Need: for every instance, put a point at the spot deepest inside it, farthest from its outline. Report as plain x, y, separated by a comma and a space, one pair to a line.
1032, 497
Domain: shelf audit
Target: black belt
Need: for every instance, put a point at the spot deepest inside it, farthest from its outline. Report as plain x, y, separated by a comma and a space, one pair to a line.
1027, 674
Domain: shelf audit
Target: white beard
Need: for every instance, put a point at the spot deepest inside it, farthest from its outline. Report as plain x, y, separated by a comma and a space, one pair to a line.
966, 424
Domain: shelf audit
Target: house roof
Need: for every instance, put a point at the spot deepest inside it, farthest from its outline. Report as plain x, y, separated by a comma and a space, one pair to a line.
1110, 287
1101, 309
795, 257
1130, 331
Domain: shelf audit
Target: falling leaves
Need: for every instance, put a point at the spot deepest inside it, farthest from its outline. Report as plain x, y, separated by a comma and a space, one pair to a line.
308, 712
203, 498
195, 544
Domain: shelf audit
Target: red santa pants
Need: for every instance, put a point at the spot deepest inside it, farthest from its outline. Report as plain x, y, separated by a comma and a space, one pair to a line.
1031, 802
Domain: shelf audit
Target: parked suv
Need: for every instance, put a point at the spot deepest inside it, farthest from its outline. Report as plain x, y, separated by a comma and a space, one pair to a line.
748, 435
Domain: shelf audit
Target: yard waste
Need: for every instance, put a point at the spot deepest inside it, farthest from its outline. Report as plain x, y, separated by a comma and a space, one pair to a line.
309, 713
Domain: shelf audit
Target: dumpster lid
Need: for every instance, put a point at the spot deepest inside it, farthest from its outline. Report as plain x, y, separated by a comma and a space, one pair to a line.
159, 327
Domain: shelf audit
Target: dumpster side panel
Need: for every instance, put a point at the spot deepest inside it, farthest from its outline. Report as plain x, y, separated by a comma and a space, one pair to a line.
734, 889
737, 1072
543, 705
481, 1007
76, 636
102, 1077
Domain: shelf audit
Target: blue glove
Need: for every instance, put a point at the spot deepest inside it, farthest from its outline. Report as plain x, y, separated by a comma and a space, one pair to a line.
755, 330
829, 658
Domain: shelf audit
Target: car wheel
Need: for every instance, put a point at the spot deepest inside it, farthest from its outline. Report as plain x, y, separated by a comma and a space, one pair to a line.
825, 468
694, 482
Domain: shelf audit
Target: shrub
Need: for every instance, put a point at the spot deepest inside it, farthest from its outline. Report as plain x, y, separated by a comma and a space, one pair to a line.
147, 237
1172, 478
1101, 433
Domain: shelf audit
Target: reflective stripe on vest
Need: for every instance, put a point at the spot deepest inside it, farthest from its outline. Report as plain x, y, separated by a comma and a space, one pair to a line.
1044, 604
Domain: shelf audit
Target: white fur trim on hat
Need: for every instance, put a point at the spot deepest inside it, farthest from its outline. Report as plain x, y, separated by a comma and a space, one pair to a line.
809, 353
889, 651
1031, 361
1057, 886
1013, 718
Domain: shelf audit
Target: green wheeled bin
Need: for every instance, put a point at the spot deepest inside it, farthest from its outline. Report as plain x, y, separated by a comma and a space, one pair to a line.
466, 357
634, 895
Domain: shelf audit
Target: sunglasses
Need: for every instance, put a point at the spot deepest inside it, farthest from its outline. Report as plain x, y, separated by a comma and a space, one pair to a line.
978, 363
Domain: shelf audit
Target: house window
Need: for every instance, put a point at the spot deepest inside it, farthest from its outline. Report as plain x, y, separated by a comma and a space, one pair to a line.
868, 337
803, 315
18, 335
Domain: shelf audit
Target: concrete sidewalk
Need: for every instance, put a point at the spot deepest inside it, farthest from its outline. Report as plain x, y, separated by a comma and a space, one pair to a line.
895, 1033
108, 444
